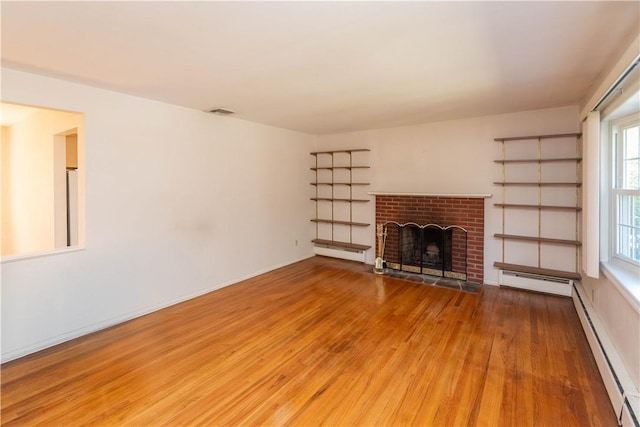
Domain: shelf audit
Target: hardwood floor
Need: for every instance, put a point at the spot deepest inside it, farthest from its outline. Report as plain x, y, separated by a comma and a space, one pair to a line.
322, 342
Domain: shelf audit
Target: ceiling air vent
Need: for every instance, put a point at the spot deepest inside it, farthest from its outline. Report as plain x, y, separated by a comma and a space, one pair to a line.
222, 111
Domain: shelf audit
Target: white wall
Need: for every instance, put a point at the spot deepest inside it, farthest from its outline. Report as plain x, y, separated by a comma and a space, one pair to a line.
449, 157
5, 234
28, 191
178, 203
621, 319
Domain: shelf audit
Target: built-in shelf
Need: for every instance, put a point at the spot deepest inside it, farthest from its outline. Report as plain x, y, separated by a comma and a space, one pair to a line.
542, 179
332, 169
537, 270
328, 199
340, 183
558, 160
338, 222
341, 167
543, 207
315, 153
337, 244
538, 239
538, 137
540, 184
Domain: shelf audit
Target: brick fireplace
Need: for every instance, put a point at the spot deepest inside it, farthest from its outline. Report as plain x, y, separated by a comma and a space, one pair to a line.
461, 211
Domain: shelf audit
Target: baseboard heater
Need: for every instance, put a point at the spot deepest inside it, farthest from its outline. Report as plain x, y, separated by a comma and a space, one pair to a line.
336, 252
623, 394
535, 282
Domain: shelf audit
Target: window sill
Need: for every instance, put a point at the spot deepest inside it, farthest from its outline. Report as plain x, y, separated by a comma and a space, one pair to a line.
626, 280
23, 257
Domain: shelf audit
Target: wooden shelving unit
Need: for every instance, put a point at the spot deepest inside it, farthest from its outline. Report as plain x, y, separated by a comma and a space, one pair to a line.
328, 199
536, 270
326, 165
538, 239
560, 159
334, 221
542, 184
542, 207
339, 183
346, 245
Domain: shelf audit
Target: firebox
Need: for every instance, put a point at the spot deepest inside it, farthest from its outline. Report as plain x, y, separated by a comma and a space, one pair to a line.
426, 249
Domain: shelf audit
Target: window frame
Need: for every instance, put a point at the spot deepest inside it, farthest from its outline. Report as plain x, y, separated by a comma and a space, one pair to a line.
618, 127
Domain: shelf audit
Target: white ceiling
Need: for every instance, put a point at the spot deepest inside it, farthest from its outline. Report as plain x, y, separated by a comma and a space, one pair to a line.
326, 67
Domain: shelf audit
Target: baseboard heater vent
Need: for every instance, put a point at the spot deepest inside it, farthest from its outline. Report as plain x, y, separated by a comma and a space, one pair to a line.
342, 253
535, 282
623, 394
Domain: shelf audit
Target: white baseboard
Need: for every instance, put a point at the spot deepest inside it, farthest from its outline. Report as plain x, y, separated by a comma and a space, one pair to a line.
67, 336
623, 394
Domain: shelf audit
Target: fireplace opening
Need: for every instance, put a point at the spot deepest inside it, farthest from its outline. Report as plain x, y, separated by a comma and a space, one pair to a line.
426, 249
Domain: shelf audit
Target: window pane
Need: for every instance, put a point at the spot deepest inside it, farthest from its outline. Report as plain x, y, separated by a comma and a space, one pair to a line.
631, 139
630, 160
631, 174
628, 235
624, 236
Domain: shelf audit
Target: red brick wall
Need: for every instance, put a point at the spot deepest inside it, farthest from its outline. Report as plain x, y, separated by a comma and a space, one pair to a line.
465, 212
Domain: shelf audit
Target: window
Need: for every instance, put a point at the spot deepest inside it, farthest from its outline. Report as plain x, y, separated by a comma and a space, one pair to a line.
626, 190
620, 188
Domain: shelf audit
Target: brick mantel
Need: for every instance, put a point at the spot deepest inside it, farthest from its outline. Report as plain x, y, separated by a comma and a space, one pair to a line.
465, 211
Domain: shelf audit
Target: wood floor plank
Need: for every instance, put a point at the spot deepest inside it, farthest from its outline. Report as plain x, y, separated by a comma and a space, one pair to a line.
322, 342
